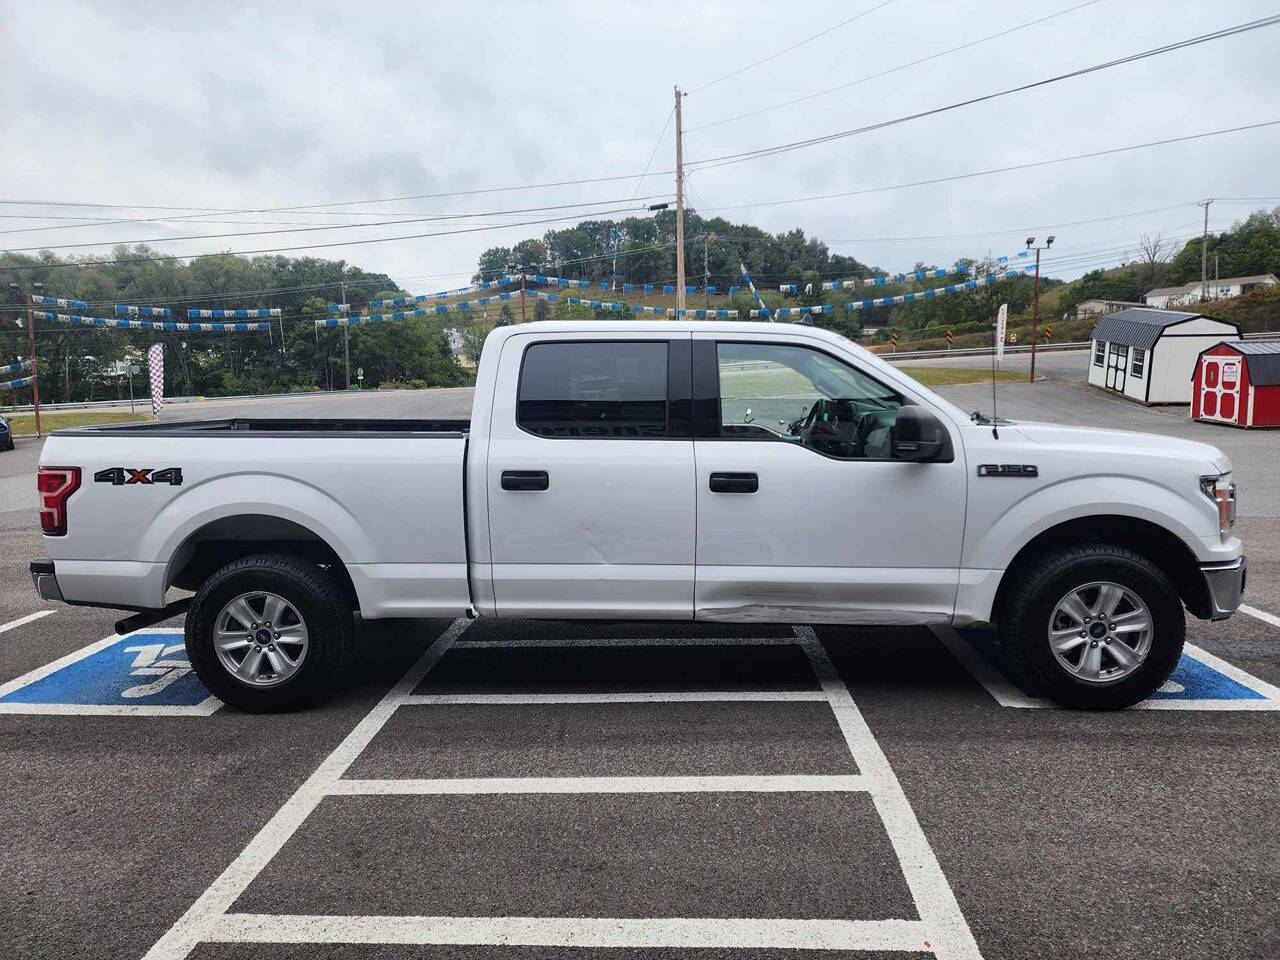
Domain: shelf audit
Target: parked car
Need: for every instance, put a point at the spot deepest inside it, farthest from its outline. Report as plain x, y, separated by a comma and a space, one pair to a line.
712, 472
6, 435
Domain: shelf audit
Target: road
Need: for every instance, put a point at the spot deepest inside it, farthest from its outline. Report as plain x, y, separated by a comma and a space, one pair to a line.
652, 786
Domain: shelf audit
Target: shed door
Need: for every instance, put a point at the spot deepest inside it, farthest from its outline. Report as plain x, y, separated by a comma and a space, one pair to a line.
1117, 363
1220, 388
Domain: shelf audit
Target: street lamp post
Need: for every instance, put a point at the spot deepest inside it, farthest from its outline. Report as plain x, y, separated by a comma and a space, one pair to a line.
1035, 310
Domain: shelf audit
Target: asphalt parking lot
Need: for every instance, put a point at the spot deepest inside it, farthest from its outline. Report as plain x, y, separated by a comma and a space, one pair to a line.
647, 790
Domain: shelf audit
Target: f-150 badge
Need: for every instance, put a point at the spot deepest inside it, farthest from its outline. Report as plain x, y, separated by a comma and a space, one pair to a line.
1008, 470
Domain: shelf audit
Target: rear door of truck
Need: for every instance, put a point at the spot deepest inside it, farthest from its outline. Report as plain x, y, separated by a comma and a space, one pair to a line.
590, 476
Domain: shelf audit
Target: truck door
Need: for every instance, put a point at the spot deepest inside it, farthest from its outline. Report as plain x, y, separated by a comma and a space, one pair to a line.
590, 477
803, 514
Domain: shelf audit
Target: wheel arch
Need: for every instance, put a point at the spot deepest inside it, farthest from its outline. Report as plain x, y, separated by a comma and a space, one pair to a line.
1157, 544
232, 537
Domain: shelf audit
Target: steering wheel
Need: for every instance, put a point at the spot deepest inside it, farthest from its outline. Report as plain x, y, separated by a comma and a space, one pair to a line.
819, 434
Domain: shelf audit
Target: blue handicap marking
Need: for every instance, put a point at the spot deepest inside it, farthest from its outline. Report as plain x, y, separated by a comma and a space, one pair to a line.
142, 669
1193, 679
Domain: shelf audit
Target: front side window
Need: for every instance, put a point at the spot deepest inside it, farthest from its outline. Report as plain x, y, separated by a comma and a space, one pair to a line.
1139, 363
599, 390
1099, 352
800, 395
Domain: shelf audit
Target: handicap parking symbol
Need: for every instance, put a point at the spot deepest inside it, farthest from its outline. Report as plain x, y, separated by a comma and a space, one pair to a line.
1200, 681
145, 674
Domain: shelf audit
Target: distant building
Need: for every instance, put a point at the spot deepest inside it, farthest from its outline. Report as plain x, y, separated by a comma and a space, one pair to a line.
1149, 355
1164, 297
1100, 308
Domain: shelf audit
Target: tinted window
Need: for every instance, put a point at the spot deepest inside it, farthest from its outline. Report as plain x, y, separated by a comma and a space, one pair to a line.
606, 390
774, 391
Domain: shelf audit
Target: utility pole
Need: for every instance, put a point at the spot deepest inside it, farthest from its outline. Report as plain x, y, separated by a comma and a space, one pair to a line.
31, 348
1217, 279
706, 271
346, 331
679, 208
1035, 310
1204, 253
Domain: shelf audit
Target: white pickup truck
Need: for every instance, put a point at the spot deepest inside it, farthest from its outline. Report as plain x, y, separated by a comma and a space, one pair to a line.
693, 471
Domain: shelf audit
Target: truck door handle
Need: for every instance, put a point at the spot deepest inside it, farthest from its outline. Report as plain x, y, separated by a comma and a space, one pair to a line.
525, 480
734, 483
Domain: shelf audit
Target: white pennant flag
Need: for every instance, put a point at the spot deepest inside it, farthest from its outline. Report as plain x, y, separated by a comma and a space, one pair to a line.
155, 366
1002, 322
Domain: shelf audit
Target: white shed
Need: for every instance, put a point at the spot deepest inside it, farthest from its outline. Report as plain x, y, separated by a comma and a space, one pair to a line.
1150, 355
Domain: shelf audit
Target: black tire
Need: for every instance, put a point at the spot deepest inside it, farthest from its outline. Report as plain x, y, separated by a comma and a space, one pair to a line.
317, 597
1025, 618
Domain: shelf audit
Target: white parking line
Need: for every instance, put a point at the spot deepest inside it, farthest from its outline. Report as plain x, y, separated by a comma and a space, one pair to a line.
482, 785
1262, 615
934, 899
941, 927
670, 933
6, 627
699, 696
195, 925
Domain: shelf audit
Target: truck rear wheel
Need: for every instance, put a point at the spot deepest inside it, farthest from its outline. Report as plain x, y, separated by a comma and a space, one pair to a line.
268, 633
1094, 627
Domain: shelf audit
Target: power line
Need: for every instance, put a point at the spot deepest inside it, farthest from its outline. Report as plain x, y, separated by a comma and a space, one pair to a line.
321, 246
1006, 169
401, 218
885, 73
839, 135
648, 163
801, 43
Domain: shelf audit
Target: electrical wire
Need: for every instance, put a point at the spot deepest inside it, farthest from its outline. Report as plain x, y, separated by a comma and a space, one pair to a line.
842, 134
801, 43
885, 73
319, 246
653, 153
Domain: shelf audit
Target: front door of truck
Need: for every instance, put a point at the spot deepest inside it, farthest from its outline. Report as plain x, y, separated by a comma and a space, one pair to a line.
590, 477
803, 514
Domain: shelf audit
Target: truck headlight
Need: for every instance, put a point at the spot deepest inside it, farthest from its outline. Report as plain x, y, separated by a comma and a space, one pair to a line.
1222, 491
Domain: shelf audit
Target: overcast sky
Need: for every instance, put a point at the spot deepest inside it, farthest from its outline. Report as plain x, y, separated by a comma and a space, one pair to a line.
265, 105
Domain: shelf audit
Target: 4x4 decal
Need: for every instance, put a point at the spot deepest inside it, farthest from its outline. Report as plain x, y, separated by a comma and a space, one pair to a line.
123, 476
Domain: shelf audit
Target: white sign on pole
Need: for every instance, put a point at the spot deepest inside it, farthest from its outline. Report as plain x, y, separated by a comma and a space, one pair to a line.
1002, 323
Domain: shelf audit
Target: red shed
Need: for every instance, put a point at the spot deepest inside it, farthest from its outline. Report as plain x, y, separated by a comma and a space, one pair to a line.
1238, 382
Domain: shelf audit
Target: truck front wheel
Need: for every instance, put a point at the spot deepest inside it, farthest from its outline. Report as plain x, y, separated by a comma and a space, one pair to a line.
268, 633
1095, 627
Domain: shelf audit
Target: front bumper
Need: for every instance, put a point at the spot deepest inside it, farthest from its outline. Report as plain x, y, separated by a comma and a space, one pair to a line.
1224, 583
45, 581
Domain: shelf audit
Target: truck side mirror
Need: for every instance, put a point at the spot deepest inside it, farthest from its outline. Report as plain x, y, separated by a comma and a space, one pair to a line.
919, 436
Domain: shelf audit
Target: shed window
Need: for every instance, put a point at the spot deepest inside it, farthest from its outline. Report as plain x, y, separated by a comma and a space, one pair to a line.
1139, 363
1099, 353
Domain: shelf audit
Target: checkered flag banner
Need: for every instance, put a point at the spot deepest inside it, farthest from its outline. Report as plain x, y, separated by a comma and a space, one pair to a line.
155, 366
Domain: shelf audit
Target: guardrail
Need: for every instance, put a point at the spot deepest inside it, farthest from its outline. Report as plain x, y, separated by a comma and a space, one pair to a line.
982, 351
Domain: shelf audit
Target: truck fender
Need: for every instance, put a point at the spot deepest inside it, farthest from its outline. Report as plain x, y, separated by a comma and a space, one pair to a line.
1076, 498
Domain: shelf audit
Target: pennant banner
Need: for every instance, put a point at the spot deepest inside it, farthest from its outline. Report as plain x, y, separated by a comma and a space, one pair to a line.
232, 314
56, 302
635, 308
127, 310
17, 384
424, 297
420, 312
793, 311
939, 291
16, 367
79, 321
882, 281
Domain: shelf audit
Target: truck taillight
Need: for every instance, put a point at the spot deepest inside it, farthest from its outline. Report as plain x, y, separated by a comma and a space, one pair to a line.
55, 485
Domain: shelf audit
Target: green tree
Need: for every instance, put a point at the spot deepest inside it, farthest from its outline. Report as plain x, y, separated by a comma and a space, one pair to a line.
473, 338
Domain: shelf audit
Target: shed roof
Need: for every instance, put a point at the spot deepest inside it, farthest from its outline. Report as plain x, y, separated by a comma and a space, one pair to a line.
1261, 358
1140, 327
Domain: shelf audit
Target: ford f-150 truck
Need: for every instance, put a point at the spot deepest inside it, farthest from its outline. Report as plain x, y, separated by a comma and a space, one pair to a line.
697, 471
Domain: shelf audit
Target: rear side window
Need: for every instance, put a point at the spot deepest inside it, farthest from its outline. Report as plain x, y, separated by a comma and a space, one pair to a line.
604, 390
